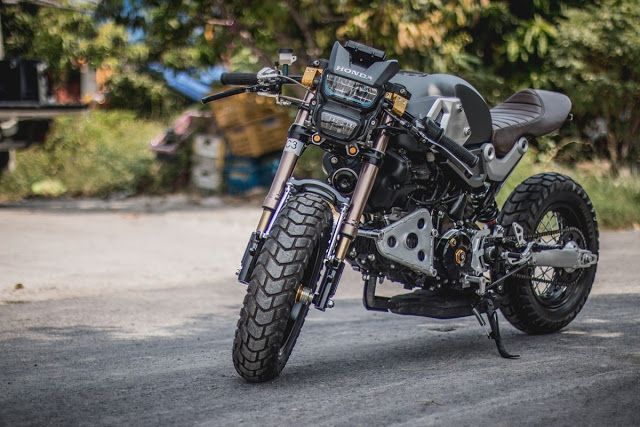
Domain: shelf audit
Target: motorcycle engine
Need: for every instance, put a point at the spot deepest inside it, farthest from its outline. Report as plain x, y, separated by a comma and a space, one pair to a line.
453, 254
409, 251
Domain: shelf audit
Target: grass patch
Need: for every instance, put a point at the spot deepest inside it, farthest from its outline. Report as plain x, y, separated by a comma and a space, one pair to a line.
617, 200
92, 154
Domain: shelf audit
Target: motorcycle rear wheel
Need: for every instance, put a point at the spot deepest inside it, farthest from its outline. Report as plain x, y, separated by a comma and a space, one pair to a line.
270, 318
541, 303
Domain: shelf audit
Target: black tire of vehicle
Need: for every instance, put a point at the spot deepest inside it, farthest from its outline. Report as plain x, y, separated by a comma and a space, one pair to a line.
527, 205
286, 259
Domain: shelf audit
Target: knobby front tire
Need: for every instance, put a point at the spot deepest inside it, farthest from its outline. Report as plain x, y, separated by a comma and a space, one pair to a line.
267, 330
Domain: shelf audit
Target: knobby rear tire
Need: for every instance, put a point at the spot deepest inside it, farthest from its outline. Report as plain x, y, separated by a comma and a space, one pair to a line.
285, 261
527, 205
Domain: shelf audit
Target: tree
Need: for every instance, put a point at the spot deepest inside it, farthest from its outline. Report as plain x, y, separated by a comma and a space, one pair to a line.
596, 59
589, 49
74, 38
422, 34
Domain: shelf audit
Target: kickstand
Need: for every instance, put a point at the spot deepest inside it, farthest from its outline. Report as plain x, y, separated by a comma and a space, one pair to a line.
492, 315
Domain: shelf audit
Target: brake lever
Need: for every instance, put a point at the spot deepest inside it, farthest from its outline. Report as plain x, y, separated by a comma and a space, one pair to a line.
226, 94
260, 89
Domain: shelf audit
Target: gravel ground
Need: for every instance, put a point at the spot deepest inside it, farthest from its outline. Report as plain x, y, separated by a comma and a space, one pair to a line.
128, 318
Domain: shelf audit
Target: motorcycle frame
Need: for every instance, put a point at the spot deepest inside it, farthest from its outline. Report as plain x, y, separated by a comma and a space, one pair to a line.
477, 167
349, 210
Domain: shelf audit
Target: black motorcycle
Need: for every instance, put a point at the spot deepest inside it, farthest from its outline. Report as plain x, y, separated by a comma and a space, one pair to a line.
413, 164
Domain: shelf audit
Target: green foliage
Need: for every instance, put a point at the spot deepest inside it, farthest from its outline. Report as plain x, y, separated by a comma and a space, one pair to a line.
422, 35
429, 35
528, 40
74, 38
310, 164
596, 60
143, 94
71, 37
90, 155
48, 188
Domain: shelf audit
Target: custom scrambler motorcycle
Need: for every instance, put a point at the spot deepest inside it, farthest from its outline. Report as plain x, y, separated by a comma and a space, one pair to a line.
413, 164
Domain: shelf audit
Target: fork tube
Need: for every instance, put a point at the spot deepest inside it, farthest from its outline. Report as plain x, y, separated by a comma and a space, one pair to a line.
285, 170
361, 194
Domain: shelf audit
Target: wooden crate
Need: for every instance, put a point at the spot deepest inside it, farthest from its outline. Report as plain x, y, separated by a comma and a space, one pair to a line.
240, 109
258, 137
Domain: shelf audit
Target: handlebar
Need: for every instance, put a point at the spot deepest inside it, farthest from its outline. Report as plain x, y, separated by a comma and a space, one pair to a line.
245, 79
250, 79
251, 83
434, 132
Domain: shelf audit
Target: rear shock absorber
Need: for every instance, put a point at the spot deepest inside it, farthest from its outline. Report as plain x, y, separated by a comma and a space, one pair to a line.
484, 205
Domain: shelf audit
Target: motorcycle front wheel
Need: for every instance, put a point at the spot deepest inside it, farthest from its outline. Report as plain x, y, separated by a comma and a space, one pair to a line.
271, 318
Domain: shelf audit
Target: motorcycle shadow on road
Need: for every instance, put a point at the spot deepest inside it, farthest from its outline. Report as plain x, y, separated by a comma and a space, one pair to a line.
365, 346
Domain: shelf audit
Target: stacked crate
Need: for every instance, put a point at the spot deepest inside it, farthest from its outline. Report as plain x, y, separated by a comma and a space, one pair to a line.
254, 130
207, 161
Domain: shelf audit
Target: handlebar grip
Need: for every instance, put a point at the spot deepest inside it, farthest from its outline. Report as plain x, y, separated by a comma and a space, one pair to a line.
435, 132
244, 79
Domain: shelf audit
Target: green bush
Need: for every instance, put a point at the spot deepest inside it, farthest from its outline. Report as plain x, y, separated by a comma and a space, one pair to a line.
93, 154
310, 164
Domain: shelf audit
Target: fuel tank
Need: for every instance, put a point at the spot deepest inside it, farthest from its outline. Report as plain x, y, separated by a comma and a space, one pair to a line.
438, 94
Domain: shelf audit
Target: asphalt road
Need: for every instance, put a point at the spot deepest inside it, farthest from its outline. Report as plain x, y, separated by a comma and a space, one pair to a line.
128, 319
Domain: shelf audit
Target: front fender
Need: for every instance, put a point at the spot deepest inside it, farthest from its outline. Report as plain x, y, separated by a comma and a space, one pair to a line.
252, 250
320, 188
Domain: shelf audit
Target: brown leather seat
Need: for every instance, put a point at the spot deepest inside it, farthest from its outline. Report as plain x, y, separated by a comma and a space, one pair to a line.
530, 112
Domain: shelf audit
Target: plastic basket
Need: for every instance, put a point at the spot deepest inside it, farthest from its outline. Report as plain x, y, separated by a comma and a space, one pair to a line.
241, 174
267, 167
206, 173
205, 145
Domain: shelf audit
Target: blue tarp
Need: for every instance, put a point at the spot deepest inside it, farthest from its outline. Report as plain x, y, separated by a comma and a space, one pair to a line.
193, 85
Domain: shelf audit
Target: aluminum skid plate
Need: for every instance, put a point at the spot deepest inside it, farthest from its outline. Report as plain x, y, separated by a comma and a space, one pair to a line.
409, 242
